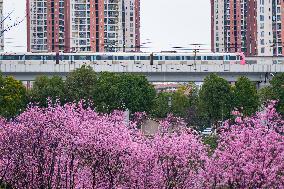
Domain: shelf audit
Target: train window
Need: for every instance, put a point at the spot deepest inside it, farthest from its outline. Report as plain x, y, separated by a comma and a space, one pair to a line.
12, 57
218, 57
89, 57
120, 58
232, 57
107, 57
21, 57
82, 57
178, 58
156, 58
170, 57
104, 57
214, 57
189, 57
66, 57
33, 57
62, 57
144, 58
125, 57
49, 57
97, 57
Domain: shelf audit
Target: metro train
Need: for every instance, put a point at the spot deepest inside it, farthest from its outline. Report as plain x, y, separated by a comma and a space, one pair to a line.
123, 58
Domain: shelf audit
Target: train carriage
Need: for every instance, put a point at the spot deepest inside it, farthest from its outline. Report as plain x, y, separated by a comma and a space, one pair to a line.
27, 58
123, 58
199, 58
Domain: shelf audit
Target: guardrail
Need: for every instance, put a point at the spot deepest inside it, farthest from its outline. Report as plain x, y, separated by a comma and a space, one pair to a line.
132, 68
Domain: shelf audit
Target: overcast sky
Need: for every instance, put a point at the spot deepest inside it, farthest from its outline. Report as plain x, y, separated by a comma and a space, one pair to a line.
165, 23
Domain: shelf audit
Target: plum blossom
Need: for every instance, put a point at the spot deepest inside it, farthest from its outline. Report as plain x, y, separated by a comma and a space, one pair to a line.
250, 153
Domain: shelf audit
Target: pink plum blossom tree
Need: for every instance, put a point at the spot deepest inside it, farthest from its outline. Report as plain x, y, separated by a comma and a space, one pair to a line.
250, 153
74, 147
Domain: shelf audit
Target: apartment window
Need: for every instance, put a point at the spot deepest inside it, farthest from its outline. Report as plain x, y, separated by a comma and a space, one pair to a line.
262, 41
261, 25
262, 34
262, 50
261, 17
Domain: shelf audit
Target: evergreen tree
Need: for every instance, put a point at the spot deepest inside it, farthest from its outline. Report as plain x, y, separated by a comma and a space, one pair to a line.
123, 91
44, 88
215, 98
80, 84
246, 99
277, 84
161, 105
13, 97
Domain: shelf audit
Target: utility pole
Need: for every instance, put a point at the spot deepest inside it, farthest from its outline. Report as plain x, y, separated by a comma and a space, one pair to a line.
195, 55
170, 103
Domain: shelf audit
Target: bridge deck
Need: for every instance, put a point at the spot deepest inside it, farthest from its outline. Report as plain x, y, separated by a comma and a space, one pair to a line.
176, 73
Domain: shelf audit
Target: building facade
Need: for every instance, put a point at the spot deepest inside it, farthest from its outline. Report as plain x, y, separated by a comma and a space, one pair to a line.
1, 27
254, 27
83, 25
278, 26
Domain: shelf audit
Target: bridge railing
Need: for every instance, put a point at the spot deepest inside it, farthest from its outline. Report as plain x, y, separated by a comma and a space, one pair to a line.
65, 68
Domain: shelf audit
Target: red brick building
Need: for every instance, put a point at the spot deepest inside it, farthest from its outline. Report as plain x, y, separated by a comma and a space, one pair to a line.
83, 26
254, 27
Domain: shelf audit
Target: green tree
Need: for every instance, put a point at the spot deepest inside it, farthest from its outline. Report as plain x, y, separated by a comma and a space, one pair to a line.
191, 91
245, 96
44, 88
80, 84
215, 98
277, 85
181, 101
123, 91
180, 104
265, 94
13, 97
194, 117
161, 105
212, 142
106, 94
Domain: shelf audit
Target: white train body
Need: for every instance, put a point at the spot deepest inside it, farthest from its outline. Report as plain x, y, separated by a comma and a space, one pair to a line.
129, 58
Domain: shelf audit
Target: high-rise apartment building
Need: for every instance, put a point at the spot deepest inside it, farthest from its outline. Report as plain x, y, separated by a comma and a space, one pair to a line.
1, 27
278, 27
255, 27
83, 25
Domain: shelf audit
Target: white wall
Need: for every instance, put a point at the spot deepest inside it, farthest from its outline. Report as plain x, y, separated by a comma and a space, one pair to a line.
264, 27
219, 28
